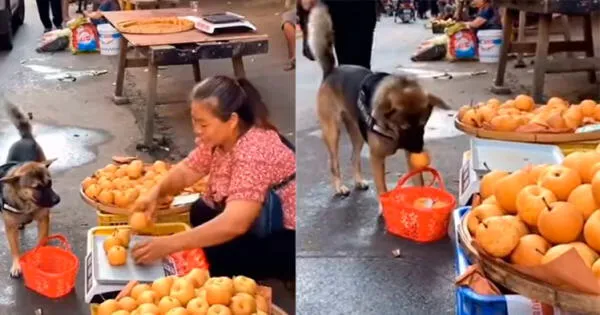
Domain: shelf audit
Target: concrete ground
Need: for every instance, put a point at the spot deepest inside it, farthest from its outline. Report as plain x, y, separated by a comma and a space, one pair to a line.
77, 123
344, 259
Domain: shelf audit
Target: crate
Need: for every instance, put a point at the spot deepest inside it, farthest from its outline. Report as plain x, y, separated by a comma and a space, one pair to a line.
571, 147
107, 219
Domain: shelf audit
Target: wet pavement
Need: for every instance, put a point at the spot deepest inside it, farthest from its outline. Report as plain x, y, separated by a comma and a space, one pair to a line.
76, 122
345, 260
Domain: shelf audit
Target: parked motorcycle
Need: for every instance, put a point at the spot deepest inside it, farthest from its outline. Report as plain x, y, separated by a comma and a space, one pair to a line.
405, 12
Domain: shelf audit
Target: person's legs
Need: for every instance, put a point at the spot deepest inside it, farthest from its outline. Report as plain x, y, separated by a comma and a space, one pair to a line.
353, 34
57, 14
289, 31
44, 12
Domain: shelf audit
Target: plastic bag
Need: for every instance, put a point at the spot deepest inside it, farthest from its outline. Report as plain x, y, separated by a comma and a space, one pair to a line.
57, 40
462, 45
84, 38
429, 52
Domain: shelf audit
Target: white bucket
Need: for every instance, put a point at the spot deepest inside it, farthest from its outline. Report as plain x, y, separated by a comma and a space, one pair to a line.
110, 40
490, 43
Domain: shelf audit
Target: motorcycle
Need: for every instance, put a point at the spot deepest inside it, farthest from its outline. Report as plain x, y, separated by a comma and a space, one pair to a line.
405, 12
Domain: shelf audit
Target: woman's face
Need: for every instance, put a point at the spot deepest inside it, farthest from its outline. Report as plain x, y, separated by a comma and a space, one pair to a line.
209, 128
478, 3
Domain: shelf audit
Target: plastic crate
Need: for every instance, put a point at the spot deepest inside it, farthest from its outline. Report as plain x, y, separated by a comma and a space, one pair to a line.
108, 219
571, 147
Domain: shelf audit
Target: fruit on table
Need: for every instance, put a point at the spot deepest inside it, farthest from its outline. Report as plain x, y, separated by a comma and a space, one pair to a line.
531, 200
591, 230
121, 312
111, 241
561, 180
138, 289
555, 252
162, 286
583, 200
243, 284
108, 307
524, 103
167, 303
198, 277
530, 250
481, 213
596, 268
596, 186
197, 306
218, 309
497, 236
507, 189
419, 161
183, 290
177, 311
127, 303
491, 200
488, 182
560, 222
219, 290
138, 221
243, 304
123, 235
148, 296
520, 225
589, 255
261, 303
117, 255
148, 308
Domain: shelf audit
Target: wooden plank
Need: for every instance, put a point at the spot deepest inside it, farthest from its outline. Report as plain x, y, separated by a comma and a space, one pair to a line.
188, 37
563, 65
554, 47
187, 54
571, 7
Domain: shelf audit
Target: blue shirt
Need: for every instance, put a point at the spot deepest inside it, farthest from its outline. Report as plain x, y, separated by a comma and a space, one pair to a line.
492, 19
106, 6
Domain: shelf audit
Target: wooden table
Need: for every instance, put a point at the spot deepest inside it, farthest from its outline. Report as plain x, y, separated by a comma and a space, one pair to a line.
543, 47
185, 48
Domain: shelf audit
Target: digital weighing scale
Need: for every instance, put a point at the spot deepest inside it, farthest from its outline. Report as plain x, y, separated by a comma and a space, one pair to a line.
220, 22
500, 155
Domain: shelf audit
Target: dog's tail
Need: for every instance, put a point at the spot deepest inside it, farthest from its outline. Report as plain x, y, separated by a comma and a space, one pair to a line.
18, 119
320, 37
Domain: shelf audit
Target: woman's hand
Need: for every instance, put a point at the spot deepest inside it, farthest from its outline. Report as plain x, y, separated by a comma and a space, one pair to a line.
147, 203
149, 251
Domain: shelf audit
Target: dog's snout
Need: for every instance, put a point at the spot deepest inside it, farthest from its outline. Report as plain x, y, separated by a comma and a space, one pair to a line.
55, 199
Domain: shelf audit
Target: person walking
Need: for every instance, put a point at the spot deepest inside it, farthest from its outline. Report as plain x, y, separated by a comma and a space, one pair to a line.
44, 7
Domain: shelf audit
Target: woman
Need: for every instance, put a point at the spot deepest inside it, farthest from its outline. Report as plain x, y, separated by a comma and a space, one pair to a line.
487, 17
252, 175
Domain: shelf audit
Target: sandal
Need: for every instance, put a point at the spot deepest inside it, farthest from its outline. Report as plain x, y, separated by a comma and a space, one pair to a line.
291, 65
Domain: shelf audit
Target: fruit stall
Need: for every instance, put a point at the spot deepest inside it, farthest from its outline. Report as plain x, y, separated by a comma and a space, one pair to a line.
179, 284
528, 235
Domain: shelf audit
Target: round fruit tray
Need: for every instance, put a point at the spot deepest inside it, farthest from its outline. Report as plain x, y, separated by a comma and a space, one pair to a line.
506, 275
275, 310
548, 138
162, 210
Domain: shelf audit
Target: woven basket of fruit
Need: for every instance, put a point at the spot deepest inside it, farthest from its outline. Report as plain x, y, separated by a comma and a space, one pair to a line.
537, 231
521, 120
115, 187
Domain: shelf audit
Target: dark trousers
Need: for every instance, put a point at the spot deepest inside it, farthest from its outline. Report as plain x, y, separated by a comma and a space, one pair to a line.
353, 25
273, 256
44, 7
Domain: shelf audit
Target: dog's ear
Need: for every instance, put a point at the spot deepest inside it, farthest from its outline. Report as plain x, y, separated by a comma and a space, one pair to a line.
10, 179
47, 163
435, 101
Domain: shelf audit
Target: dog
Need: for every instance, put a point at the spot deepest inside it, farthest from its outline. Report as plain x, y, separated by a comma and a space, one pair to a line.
387, 111
26, 192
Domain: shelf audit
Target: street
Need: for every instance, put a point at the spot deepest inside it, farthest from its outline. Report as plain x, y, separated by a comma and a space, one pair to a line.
77, 123
344, 259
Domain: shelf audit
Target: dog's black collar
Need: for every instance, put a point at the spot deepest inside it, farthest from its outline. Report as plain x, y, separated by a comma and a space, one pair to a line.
4, 169
365, 103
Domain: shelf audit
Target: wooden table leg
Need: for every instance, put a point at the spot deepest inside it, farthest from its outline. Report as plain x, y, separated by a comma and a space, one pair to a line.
521, 38
564, 20
150, 103
499, 87
588, 37
541, 57
196, 68
238, 67
118, 97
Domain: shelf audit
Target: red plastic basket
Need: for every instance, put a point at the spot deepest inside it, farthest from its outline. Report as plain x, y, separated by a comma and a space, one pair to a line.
421, 224
48, 270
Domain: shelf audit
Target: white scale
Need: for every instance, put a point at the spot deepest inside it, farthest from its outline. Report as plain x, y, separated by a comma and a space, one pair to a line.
213, 23
500, 155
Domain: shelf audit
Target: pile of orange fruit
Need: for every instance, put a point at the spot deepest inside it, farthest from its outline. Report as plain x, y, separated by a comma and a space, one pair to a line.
523, 115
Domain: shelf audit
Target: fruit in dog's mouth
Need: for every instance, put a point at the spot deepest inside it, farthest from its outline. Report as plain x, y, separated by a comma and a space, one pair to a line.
117, 255
138, 221
419, 161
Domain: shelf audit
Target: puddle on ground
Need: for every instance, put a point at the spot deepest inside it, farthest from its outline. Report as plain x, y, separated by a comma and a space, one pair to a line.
433, 74
52, 73
71, 146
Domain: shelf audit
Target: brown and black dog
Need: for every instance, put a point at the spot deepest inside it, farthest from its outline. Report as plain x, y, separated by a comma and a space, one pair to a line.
388, 112
25, 187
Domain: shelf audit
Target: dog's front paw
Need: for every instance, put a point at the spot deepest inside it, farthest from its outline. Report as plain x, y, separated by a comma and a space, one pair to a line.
342, 191
362, 185
15, 270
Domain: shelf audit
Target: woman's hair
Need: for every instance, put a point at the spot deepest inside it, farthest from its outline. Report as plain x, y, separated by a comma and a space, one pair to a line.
234, 96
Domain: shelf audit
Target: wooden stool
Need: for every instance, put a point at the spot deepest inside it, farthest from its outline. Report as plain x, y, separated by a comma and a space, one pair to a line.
544, 47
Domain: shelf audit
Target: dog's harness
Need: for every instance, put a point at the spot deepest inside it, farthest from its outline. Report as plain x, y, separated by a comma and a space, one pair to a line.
3, 172
366, 121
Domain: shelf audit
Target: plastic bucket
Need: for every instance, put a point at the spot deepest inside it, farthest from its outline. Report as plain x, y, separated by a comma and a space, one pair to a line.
490, 43
110, 40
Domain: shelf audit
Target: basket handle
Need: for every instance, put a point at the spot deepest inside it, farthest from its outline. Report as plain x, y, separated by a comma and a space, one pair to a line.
436, 177
64, 243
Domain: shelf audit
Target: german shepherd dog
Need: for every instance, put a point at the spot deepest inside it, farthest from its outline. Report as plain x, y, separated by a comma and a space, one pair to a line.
25, 187
387, 111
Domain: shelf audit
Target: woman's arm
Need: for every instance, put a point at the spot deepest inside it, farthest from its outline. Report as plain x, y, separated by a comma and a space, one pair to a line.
177, 179
477, 22
236, 220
